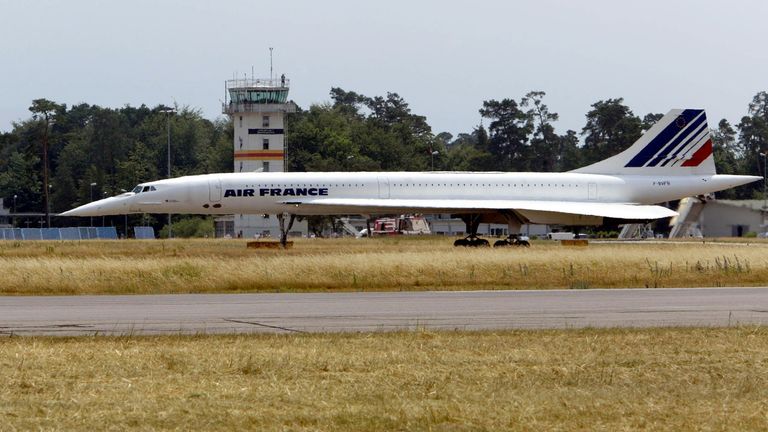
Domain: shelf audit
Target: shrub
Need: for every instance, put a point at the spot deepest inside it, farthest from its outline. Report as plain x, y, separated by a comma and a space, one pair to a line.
190, 227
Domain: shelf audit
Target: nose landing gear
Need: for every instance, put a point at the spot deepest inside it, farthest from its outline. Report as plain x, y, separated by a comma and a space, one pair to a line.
284, 230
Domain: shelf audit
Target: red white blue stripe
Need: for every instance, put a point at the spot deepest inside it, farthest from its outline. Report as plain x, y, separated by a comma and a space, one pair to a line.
687, 133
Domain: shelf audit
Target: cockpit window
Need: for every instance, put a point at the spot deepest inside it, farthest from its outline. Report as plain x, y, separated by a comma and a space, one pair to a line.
140, 189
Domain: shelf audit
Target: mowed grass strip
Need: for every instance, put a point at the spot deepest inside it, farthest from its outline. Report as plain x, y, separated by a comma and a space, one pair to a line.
652, 379
183, 266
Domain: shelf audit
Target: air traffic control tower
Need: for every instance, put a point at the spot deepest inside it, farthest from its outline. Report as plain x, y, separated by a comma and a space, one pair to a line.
257, 108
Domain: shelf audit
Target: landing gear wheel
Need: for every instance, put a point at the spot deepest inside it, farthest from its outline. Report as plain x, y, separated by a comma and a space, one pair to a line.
513, 240
481, 243
472, 241
461, 242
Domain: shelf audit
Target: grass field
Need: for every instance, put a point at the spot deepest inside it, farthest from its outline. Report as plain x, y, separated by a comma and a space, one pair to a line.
661, 379
416, 263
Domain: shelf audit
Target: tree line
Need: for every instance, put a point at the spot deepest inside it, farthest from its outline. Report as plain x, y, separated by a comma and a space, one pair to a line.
86, 151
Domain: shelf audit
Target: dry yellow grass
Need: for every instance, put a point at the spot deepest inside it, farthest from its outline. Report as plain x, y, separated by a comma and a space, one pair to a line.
663, 379
380, 264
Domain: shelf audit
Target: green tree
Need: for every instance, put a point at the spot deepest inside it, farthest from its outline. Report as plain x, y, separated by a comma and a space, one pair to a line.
109, 143
650, 119
45, 111
571, 154
64, 194
509, 131
611, 128
546, 151
340, 137
348, 102
753, 139
409, 142
137, 167
468, 152
321, 139
726, 153
19, 177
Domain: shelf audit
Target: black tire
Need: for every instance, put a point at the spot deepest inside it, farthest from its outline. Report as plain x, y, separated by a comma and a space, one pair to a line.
461, 242
501, 243
482, 243
524, 243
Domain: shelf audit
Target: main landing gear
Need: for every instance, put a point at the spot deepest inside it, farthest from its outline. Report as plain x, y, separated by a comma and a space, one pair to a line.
513, 240
472, 221
514, 224
472, 241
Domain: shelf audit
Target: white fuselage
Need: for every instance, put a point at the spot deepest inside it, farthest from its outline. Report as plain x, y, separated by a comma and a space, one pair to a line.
672, 160
271, 193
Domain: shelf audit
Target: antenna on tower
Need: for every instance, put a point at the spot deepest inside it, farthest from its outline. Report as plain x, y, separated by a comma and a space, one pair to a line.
270, 63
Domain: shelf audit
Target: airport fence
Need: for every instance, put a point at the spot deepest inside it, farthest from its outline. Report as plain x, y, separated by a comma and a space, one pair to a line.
72, 233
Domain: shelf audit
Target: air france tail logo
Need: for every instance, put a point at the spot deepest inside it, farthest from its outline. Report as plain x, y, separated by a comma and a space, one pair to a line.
685, 141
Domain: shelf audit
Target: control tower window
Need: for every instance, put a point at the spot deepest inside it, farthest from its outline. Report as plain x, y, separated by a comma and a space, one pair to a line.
265, 121
265, 166
265, 143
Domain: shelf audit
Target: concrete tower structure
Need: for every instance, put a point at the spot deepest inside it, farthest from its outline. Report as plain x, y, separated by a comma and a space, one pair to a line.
257, 108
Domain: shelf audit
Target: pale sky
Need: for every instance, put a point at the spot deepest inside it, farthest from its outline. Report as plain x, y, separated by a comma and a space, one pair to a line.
443, 57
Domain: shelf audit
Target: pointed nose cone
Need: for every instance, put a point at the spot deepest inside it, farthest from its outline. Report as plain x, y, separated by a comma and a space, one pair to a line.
738, 180
106, 207
83, 210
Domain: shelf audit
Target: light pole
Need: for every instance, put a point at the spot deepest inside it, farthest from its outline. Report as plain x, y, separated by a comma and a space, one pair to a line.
48, 206
765, 178
14, 210
92, 185
432, 155
46, 189
125, 236
102, 217
168, 112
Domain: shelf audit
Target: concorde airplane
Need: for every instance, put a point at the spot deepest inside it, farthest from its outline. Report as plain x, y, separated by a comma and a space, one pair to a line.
672, 160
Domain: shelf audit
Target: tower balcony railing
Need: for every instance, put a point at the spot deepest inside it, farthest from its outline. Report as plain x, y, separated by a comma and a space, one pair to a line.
267, 83
240, 107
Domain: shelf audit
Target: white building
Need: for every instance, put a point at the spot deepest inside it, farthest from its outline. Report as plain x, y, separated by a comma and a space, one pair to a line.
732, 218
718, 218
257, 108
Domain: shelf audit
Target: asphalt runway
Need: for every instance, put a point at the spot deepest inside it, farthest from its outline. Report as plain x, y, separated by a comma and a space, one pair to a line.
362, 312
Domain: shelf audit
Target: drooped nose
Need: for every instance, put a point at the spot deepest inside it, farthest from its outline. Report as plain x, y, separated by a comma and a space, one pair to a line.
105, 207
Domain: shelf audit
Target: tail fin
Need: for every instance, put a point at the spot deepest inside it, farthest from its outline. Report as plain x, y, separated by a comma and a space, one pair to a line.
678, 144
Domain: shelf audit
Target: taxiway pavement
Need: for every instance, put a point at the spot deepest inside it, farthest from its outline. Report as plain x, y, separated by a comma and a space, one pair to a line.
386, 311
